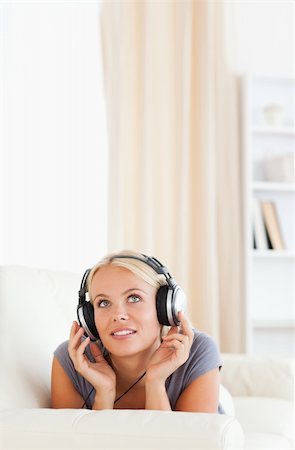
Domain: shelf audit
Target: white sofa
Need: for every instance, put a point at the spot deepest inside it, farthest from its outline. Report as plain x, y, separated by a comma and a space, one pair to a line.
37, 307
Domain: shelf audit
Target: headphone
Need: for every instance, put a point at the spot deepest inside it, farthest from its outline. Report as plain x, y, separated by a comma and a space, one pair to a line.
170, 298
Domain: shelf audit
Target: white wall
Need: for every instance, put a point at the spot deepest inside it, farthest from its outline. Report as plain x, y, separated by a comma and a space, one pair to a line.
53, 164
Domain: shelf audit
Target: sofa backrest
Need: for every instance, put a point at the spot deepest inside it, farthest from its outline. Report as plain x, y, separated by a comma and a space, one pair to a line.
258, 376
37, 307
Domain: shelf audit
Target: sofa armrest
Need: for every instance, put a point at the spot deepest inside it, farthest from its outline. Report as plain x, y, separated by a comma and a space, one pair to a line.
246, 375
110, 429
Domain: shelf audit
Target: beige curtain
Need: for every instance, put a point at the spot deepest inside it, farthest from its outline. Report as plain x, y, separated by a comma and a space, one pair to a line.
174, 165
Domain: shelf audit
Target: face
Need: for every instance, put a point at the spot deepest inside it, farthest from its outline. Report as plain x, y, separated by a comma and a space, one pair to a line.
125, 311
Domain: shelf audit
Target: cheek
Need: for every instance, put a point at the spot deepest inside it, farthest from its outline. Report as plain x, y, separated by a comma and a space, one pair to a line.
99, 320
151, 319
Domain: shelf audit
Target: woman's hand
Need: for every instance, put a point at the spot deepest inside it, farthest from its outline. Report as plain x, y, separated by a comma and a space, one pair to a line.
99, 374
172, 353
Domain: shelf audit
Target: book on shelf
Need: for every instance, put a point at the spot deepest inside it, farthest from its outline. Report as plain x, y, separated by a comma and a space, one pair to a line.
272, 226
260, 237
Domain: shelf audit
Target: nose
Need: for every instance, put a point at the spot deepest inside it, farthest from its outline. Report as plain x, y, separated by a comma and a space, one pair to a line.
120, 315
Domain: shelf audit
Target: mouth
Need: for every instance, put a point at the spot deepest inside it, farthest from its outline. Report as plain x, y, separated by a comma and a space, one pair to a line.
123, 332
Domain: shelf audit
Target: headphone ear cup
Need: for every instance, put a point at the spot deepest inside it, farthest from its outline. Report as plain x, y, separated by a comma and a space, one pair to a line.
86, 319
161, 305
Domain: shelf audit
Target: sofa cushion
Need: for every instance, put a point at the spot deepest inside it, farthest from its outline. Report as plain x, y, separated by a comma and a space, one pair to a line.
266, 416
266, 441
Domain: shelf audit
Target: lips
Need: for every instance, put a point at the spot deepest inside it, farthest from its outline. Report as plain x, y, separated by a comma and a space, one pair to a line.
123, 332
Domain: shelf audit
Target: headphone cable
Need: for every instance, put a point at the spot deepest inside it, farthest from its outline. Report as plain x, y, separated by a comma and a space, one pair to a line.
122, 395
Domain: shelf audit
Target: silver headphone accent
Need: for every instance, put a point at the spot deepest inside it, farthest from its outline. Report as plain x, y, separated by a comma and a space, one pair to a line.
83, 323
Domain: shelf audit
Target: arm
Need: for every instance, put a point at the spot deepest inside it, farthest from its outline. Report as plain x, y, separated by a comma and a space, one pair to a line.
172, 353
99, 374
156, 396
63, 392
202, 395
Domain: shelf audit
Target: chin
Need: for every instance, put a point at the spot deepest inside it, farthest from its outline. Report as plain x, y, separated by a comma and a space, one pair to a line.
123, 350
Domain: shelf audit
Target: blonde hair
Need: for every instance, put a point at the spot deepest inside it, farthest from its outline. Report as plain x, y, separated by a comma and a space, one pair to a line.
137, 266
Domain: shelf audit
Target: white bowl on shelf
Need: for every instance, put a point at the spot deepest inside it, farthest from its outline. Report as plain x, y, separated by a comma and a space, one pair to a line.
274, 114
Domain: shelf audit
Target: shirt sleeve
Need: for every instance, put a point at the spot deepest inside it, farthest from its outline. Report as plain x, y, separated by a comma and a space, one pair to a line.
204, 356
79, 382
62, 355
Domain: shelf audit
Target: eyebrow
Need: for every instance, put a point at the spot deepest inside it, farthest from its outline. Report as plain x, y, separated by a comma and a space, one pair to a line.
123, 293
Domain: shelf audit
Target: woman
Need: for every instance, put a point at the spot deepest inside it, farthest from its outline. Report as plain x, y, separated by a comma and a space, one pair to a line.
132, 365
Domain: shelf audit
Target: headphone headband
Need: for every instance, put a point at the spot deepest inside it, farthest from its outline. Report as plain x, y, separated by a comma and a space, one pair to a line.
153, 263
83, 287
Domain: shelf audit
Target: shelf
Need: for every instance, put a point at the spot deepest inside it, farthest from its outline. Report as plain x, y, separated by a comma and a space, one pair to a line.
268, 152
273, 186
273, 324
273, 254
282, 130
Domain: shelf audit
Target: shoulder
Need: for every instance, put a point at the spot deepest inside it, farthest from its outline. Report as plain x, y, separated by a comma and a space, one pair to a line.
203, 346
61, 350
204, 353
62, 353
204, 356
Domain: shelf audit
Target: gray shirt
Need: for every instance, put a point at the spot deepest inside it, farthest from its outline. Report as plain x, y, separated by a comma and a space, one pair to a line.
203, 357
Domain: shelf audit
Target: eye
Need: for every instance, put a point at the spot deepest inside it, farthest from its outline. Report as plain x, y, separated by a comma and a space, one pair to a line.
103, 303
134, 299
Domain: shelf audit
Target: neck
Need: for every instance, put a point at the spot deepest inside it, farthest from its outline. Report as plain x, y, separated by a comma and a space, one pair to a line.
127, 370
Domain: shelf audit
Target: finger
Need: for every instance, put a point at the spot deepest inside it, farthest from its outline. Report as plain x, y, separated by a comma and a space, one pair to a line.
96, 352
75, 337
174, 344
182, 338
81, 349
186, 325
173, 329
74, 328
74, 343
